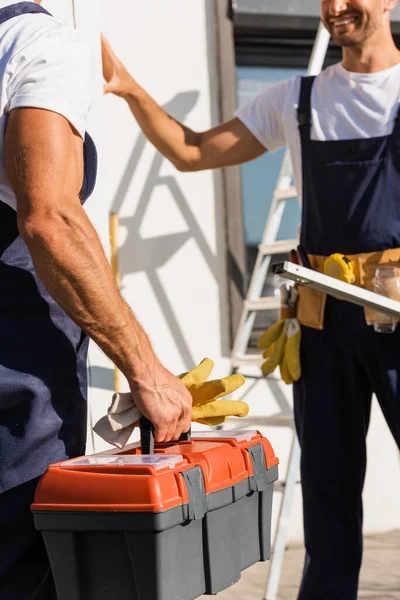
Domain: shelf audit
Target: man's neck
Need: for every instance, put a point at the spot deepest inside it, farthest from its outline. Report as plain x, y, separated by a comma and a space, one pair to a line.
377, 54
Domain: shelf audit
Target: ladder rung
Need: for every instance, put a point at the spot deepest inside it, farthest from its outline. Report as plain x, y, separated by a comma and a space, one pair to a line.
278, 420
267, 303
278, 247
286, 194
247, 359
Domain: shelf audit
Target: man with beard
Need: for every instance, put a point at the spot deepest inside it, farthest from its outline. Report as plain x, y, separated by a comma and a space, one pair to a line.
343, 131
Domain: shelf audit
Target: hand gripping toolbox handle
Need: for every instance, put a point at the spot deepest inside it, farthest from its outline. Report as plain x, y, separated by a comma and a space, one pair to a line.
147, 436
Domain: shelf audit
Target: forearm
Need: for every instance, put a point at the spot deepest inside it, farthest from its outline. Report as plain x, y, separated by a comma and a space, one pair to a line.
70, 262
174, 140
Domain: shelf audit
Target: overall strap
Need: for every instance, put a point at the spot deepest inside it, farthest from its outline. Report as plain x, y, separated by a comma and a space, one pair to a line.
397, 119
90, 168
304, 107
20, 8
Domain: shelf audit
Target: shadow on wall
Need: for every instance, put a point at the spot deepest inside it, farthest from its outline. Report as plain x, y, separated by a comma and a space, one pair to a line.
150, 254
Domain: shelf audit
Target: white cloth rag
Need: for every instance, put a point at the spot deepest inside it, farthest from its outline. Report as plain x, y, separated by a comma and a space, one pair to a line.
117, 426
289, 294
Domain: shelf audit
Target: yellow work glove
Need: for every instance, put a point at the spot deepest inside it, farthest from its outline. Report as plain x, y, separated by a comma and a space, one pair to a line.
281, 342
117, 426
207, 406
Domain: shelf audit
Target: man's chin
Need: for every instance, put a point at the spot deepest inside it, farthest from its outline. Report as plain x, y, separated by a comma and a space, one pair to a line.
345, 41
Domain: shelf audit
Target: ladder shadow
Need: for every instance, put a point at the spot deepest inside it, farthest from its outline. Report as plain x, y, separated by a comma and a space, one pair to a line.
139, 255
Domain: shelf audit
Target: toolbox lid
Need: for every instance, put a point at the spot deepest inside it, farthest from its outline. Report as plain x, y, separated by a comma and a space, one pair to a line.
129, 480
240, 435
243, 439
114, 482
156, 461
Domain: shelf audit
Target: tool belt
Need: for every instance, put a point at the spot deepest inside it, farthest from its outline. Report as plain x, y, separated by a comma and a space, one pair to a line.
311, 304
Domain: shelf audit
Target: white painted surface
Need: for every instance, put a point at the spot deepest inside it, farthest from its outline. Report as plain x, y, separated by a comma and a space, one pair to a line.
172, 231
60, 9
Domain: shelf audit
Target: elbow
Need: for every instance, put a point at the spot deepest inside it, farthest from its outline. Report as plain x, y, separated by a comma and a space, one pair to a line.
31, 228
40, 228
188, 159
189, 165
183, 167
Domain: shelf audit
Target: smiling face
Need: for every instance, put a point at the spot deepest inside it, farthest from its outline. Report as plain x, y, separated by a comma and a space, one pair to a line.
353, 22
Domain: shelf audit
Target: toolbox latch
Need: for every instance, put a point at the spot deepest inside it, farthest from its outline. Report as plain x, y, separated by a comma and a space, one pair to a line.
197, 504
259, 482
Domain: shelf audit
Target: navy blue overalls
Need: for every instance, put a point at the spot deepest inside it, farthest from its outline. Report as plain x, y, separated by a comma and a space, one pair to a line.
351, 204
43, 392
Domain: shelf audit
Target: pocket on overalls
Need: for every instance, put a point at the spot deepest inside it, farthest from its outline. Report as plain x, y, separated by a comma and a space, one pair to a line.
357, 164
359, 175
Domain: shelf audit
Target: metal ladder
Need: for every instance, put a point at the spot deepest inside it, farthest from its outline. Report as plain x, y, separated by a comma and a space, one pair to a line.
253, 303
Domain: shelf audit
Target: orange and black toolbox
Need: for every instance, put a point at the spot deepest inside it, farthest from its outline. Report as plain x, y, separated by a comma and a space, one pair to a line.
166, 523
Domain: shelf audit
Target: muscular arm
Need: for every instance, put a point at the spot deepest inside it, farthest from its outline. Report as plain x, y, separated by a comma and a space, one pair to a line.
225, 145
44, 162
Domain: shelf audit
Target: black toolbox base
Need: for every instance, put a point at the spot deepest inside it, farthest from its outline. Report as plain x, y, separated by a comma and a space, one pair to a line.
104, 565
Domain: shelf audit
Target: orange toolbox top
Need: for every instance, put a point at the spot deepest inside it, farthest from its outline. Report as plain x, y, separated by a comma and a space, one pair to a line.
128, 480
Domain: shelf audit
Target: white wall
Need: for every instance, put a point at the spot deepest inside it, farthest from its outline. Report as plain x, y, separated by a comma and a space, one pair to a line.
60, 9
172, 230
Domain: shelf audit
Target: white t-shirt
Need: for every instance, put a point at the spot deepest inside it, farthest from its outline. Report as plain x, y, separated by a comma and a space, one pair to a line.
344, 106
43, 64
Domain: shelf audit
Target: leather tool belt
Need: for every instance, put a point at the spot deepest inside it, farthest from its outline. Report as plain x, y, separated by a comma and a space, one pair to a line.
311, 304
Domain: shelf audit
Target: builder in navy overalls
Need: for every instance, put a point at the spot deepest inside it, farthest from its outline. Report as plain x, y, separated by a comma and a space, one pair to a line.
343, 131
51, 257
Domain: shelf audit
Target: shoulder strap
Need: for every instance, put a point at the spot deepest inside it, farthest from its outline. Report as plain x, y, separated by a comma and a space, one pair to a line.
304, 108
20, 8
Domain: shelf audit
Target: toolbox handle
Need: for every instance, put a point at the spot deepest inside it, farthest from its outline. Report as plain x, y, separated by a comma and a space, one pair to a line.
147, 436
